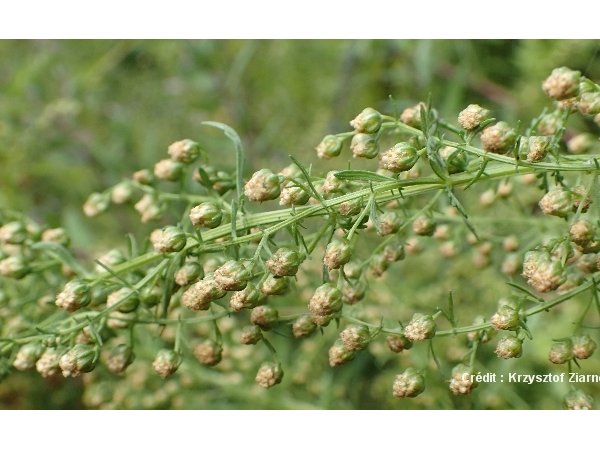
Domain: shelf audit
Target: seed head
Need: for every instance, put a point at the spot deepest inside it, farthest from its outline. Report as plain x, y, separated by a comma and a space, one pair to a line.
398, 343
208, 352
472, 116
498, 138
563, 83
589, 103
509, 347
557, 202
337, 253
27, 356
127, 299
339, 354
80, 359
505, 318
168, 170
364, 146
462, 382
47, 364
269, 374
264, 185
273, 285
326, 300
561, 352
188, 273
166, 362
232, 276
251, 334
247, 298
583, 346
185, 151
368, 121
455, 159
534, 148
420, 328
120, 358
409, 383
355, 337
400, 158
199, 295
170, 239
423, 226
75, 295
330, 147
207, 215
582, 143
577, 400
303, 326
284, 262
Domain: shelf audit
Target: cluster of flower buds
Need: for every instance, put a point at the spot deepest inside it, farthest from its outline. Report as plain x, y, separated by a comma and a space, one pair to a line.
578, 347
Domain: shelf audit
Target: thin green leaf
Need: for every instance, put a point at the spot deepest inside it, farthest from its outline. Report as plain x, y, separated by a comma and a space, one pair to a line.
362, 175
316, 193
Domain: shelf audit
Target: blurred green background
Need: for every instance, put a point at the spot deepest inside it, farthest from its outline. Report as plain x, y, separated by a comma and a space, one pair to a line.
78, 116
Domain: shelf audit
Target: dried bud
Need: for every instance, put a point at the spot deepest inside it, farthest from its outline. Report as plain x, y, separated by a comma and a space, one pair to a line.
264, 185
368, 121
126, 298
247, 298
148, 208
423, 226
589, 103
80, 359
207, 215
582, 143
364, 146
232, 276
326, 300
462, 382
170, 239
251, 334
400, 158
188, 273
330, 147
120, 358
47, 365
199, 295
95, 204
168, 170
185, 151
13, 233
563, 83
293, 195
561, 352
264, 316
284, 262
509, 347
576, 399
409, 383
534, 148
455, 159
582, 232
208, 352
337, 253
273, 285
303, 326
388, 223
557, 202
339, 354
506, 318
498, 138
355, 337
420, 328
122, 192
583, 346
472, 116
27, 356
75, 295
412, 116
166, 362
398, 343
14, 267
269, 374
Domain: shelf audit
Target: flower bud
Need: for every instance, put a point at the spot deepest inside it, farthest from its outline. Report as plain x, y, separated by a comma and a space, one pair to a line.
561, 352
589, 103
208, 352
168, 170
95, 204
47, 364
170, 239
506, 318
455, 159
534, 148
143, 176
400, 158
126, 298
462, 382
188, 273
354, 292
510, 243
353, 270
27, 356
185, 151
505, 188
284, 262
293, 195
151, 296
394, 252
580, 198
563, 83
582, 143
247, 298
339, 354
14, 267
264, 185
388, 223
409, 383
251, 334
303, 326
472, 116
364, 146
337, 253
483, 335
511, 265
122, 192
199, 295
368, 121
557, 202
330, 147
13, 233
583, 346
379, 264
509, 347
207, 215
232, 276
423, 226
542, 272
148, 208
420, 327
166, 362
398, 343
326, 300
355, 337
264, 316
119, 320
119, 358
269, 374
333, 184
75, 295
579, 400
79, 359
273, 285
412, 116
498, 138
351, 208
582, 232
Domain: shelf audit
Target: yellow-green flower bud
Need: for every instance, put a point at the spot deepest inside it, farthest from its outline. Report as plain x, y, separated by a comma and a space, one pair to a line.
388, 223
589, 103
420, 328
14, 267
250, 335
424, 226
557, 202
561, 352
47, 365
264, 316
332, 184
563, 83
400, 158
394, 252
269, 374
95, 204
149, 208
208, 352
409, 383
339, 354
579, 400
582, 232
143, 176
273, 285
353, 270
509, 347
543, 272
126, 298
582, 143
364, 146
330, 147
462, 381
168, 170
505, 318
368, 121
27, 356
170, 239
498, 138
79, 359
293, 195
355, 337
303, 326
472, 116
187, 274
354, 292
379, 264
398, 343
122, 192
185, 151
337, 253
326, 300
207, 215
151, 295
232, 276
247, 298
412, 116
455, 159
583, 346
534, 148
13, 233
166, 362
76, 294
284, 262
119, 358
199, 295
264, 185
